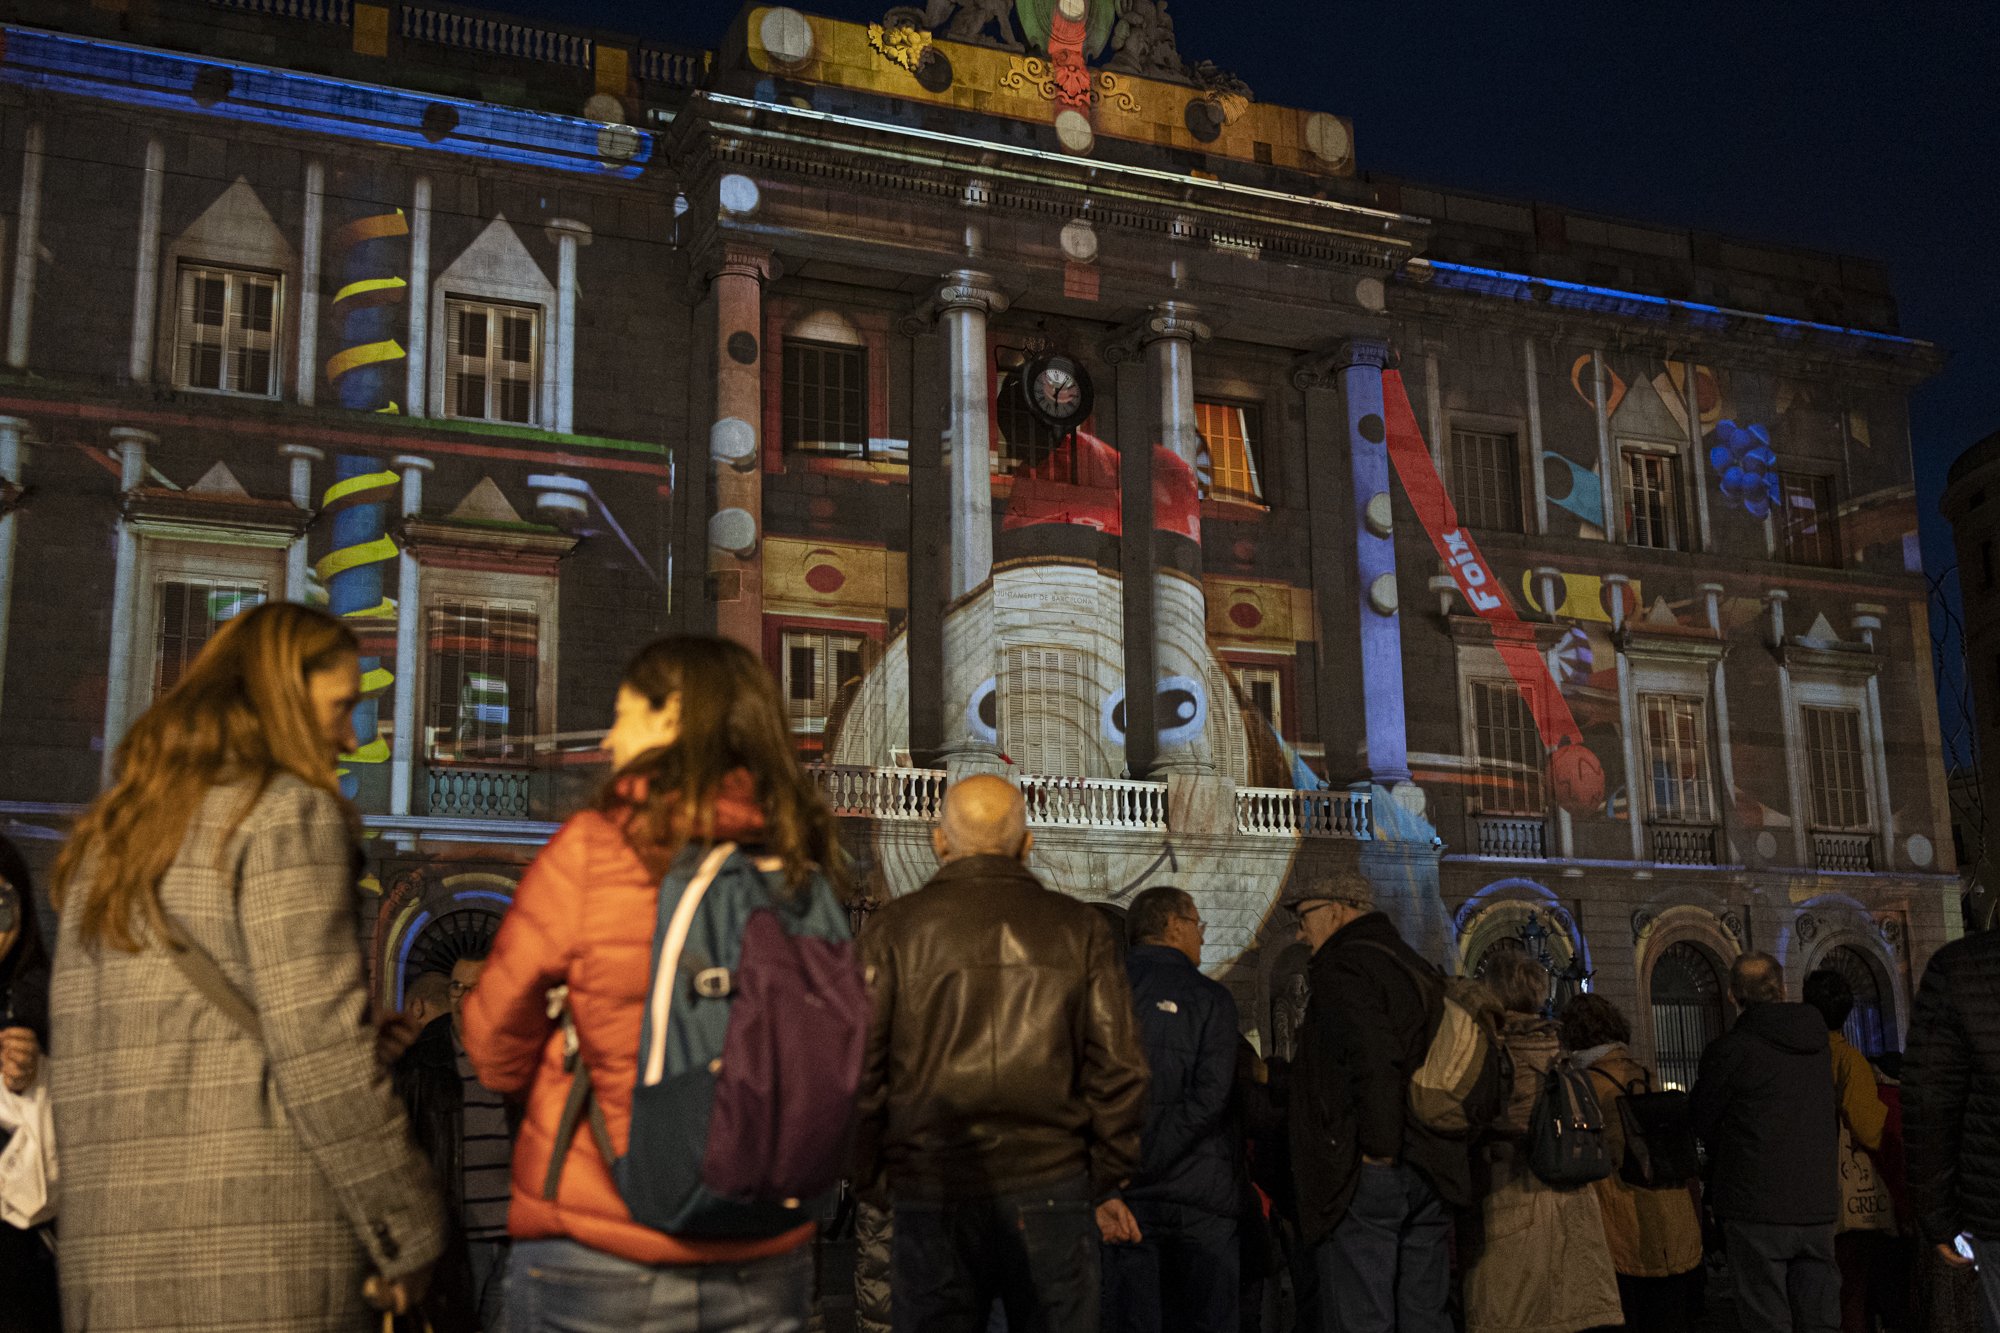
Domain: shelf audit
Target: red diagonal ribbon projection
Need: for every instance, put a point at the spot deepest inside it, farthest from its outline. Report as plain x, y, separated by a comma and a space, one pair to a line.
1480, 586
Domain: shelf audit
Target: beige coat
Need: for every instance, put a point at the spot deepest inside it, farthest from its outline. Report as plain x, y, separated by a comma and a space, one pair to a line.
212, 1181
1652, 1233
1536, 1256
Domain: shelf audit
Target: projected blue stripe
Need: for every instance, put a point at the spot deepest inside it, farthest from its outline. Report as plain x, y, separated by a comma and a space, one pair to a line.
284, 99
1638, 305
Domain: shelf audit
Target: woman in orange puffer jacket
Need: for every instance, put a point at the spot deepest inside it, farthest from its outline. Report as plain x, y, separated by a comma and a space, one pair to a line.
700, 750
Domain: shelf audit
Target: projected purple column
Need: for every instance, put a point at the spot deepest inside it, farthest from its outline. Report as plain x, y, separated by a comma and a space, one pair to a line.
1361, 363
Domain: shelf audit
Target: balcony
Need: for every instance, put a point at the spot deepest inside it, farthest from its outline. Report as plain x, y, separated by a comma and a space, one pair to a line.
1852, 853
1512, 837
1684, 844
1280, 812
466, 791
917, 794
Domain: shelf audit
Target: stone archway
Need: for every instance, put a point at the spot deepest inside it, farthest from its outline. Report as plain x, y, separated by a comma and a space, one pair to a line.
1684, 956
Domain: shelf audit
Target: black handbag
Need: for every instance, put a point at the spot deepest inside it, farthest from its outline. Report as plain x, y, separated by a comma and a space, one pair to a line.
1660, 1151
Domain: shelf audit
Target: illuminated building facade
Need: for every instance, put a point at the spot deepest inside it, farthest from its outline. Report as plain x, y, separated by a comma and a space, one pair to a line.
1556, 572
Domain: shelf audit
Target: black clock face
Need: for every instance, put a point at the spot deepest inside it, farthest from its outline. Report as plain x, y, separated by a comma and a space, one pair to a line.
1058, 391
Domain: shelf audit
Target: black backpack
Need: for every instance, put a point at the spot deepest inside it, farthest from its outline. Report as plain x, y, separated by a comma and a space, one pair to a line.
1566, 1129
1660, 1150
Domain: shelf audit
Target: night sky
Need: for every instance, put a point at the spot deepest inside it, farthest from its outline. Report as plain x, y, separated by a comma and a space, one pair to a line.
1871, 130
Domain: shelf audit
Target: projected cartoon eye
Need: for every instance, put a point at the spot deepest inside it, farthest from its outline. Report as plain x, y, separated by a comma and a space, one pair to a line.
1112, 718
983, 713
1181, 706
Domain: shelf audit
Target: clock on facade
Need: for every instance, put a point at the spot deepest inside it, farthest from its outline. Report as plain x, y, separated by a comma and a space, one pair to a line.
1058, 391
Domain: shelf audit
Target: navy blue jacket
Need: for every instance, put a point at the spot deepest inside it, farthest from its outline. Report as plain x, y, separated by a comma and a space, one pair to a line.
1187, 1025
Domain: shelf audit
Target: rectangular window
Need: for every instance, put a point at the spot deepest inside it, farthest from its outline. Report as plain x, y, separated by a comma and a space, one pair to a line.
483, 669
1677, 759
188, 612
816, 666
1232, 435
1652, 500
492, 353
1508, 747
825, 398
1264, 688
1038, 737
1808, 518
1486, 480
228, 331
1835, 770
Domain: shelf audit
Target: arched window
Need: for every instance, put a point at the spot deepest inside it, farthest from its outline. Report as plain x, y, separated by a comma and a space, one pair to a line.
1687, 1011
1866, 1026
1505, 944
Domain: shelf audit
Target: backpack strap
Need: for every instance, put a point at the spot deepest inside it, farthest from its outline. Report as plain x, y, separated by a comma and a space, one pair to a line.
579, 1102
201, 972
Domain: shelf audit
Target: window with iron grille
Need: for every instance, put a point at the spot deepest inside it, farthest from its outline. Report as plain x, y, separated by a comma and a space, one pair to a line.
825, 398
1232, 436
1686, 1001
1834, 765
1677, 759
1039, 729
815, 667
1018, 435
228, 331
189, 612
1486, 480
1652, 500
1264, 688
1811, 536
492, 352
1508, 748
483, 667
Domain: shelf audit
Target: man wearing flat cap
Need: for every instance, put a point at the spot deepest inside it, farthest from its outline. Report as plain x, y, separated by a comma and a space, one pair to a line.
1373, 1185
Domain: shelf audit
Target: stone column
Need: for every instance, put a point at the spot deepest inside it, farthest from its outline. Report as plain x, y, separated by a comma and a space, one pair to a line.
568, 236
403, 750
297, 560
964, 301
737, 275
312, 238
1795, 752
130, 445
1867, 623
1180, 607
1360, 364
27, 257
146, 285
1725, 751
1628, 719
13, 459
417, 338
1609, 467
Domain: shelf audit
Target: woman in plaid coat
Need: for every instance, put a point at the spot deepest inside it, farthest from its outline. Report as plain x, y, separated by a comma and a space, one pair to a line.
215, 1178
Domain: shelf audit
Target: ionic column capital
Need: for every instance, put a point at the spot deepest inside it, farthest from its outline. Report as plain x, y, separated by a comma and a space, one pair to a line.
1363, 352
968, 289
733, 259
1173, 321
561, 229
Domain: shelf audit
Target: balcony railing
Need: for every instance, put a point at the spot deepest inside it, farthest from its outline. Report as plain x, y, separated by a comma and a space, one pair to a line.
1514, 837
676, 69
1281, 812
316, 11
472, 32
1113, 803
467, 792
881, 793
1844, 851
1684, 845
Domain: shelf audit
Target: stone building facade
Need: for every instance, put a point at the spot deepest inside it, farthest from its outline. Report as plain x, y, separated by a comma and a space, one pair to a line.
1556, 572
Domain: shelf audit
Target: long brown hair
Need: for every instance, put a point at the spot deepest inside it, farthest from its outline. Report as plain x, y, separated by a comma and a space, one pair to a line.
242, 712
731, 718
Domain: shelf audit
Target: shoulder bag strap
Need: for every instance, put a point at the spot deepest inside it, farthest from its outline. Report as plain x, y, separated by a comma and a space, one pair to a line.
202, 973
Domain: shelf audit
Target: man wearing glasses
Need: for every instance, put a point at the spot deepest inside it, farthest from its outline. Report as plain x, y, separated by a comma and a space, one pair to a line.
1171, 1255
1372, 1184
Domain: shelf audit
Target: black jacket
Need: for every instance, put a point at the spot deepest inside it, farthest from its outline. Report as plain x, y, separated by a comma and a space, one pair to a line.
1367, 1028
1764, 1103
426, 1078
1187, 1026
24, 972
1002, 1053
1951, 1092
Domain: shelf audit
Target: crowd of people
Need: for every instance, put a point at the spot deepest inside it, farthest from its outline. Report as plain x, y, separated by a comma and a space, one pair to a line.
672, 1073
